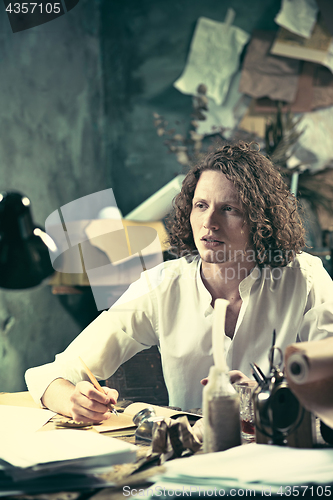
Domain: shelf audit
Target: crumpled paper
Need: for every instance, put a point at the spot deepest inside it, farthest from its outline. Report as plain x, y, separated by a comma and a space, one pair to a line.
174, 438
213, 58
314, 148
298, 16
318, 48
227, 116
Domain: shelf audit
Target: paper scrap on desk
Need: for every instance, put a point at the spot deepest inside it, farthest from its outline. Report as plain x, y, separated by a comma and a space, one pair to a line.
213, 58
18, 418
298, 16
252, 466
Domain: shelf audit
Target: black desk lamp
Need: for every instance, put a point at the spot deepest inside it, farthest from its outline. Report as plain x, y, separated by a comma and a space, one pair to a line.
24, 247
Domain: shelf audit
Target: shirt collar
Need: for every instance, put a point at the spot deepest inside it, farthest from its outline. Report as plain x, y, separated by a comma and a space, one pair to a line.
244, 287
248, 282
206, 297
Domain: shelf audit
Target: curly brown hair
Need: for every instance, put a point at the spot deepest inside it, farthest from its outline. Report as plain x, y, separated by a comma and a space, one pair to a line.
272, 212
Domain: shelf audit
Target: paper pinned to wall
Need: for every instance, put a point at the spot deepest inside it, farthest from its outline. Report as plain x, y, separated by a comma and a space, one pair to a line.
227, 116
264, 75
298, 16
318, 48
314, 147
213, 58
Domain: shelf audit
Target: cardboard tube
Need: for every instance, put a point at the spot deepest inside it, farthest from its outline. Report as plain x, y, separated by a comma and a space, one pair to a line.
311, 378
309, 361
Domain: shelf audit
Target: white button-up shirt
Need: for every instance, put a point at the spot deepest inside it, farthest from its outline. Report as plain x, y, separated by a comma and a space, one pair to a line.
170, 307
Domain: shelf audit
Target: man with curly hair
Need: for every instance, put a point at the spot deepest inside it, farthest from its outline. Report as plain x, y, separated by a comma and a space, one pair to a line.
237, 234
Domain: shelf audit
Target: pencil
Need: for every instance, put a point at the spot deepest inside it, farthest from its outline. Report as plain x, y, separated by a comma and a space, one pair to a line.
96, 384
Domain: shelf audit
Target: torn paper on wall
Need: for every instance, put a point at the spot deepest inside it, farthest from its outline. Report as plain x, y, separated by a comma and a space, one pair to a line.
226, 117
213, 58
318, 48
266, 75
314, 90
314, 148
298, 16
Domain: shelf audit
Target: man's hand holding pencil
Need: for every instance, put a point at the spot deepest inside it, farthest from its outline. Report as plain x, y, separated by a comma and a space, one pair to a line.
90, 402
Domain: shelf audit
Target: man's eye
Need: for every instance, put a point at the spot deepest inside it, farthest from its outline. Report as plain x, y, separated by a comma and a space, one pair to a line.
228, 209
199, 205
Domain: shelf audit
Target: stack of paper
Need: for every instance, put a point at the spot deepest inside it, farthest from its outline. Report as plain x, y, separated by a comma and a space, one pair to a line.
252, 467
45, 461
21, 419
67, 450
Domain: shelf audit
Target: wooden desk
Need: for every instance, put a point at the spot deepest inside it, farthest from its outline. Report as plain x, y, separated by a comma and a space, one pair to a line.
120, 475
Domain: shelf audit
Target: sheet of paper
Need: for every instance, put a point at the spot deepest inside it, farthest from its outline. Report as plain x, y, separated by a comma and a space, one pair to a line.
318, 48
228, 115
63, 447
125, 420
253, 466
213, 58
314, 148
19, 419
116, 423
264, 75
314, 91
298, 16
305, 96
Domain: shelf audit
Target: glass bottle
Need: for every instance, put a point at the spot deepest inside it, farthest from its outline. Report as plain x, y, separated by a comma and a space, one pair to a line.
221, 412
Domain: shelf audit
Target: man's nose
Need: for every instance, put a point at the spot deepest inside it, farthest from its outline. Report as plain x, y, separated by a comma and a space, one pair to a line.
211, 220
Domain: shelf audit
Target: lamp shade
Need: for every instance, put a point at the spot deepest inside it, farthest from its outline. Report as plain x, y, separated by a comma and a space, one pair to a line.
24, 247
